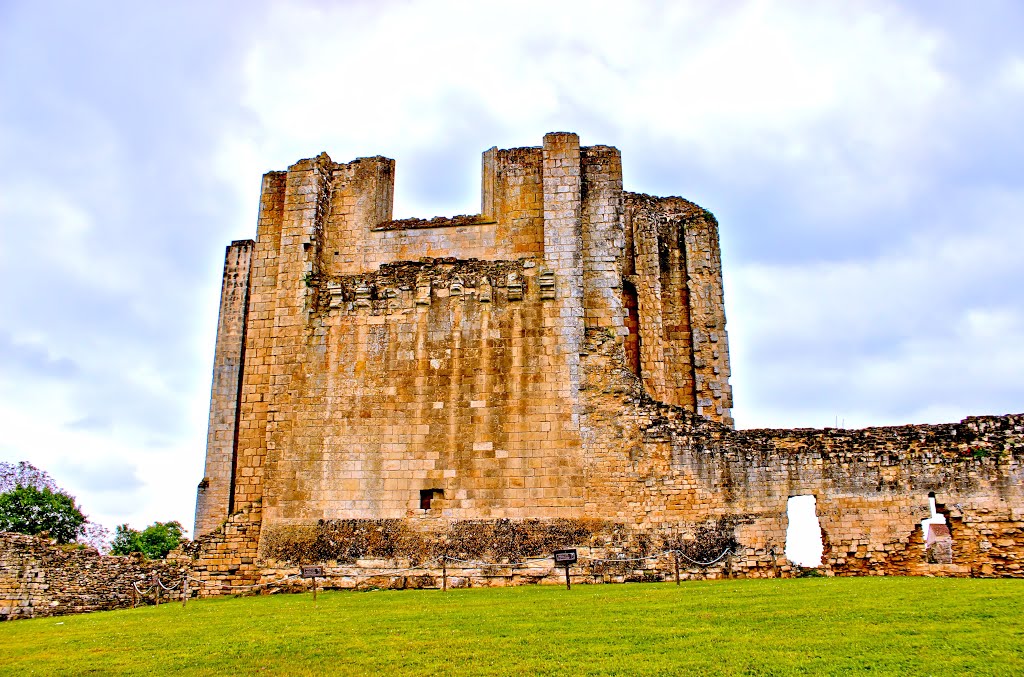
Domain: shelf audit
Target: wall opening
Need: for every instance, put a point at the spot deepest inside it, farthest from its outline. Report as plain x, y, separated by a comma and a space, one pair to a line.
427, 497
938, 534
804, 544
631, 342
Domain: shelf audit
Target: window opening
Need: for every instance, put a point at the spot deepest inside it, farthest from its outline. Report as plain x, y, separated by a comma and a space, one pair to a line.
938, 537
631, 343
427, 496
804, 545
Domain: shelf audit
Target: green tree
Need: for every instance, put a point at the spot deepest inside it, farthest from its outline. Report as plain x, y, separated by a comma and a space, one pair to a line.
155, 541
24, 474
27, 509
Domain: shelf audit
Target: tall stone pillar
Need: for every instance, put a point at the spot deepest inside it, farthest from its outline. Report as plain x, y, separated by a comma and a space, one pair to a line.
603, 239
306, 202
259, 336
214, 492
707, 319
561, 279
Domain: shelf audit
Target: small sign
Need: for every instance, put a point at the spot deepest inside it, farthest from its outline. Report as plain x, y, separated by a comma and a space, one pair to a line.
312, 572
565, 557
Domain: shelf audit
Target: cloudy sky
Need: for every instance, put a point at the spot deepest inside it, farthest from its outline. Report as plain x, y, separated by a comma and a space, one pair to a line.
863, 159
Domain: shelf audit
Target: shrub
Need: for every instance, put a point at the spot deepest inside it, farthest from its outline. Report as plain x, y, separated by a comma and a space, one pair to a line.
155, 541
30, 510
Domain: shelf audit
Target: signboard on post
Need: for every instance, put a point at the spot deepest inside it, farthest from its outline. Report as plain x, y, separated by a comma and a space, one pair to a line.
313, 572
565, 558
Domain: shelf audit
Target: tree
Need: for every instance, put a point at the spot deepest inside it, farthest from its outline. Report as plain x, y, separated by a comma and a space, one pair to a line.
155, 541
29, 510
33, 512
24, 474
96, 536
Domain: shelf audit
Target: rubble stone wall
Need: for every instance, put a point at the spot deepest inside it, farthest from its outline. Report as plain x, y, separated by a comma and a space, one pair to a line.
40, 578
655, 464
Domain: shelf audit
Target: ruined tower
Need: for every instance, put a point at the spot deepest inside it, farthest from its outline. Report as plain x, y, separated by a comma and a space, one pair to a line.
552, 372
367, 367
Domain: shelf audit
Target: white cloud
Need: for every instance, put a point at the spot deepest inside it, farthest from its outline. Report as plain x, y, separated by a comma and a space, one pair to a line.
864, 162
847, 100
926, 332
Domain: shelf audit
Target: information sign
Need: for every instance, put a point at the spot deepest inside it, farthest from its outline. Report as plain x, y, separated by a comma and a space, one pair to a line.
565, 557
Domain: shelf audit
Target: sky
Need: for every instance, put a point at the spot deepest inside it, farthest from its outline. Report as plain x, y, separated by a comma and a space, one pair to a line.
863, 160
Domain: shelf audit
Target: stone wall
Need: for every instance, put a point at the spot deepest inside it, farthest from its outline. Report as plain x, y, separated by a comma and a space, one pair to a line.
676, 272
656, 464
562, 355
213, 496
425, 376
40, 578
357, 369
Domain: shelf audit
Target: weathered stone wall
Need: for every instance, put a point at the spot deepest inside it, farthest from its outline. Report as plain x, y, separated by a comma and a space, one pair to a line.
228, 359
676, 270
658, 464
359, 234
560, 356
423, 376
465, 376
40, 578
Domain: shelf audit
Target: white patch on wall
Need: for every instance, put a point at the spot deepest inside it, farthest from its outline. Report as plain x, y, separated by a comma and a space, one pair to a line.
803, 535
936, 517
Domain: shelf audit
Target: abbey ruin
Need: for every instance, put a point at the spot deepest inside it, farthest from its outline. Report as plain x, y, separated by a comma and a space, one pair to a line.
552, 372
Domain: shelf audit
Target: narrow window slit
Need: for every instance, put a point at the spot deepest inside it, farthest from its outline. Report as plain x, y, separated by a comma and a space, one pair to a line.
632, 339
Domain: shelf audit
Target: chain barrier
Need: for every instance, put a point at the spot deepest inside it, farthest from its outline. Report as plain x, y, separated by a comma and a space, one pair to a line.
514, 565
443, 560
718, 559
141, 592
659, 555
419, 567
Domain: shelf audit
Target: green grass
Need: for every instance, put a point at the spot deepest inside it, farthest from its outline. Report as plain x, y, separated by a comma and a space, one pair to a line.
905, 626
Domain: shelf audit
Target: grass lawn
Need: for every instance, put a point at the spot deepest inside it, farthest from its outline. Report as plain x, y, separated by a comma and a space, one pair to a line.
904, 626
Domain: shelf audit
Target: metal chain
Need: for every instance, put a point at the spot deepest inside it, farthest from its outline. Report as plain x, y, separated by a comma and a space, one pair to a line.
473, 564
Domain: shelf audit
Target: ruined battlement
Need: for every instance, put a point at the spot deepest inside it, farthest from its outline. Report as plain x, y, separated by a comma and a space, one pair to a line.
560, 358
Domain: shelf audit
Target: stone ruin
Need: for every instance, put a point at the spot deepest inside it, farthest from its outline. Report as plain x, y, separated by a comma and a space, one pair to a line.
39, 577
552, 372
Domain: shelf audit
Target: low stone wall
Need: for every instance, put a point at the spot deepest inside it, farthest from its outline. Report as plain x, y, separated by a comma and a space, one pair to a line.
403, 574
41, 578
396, 553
